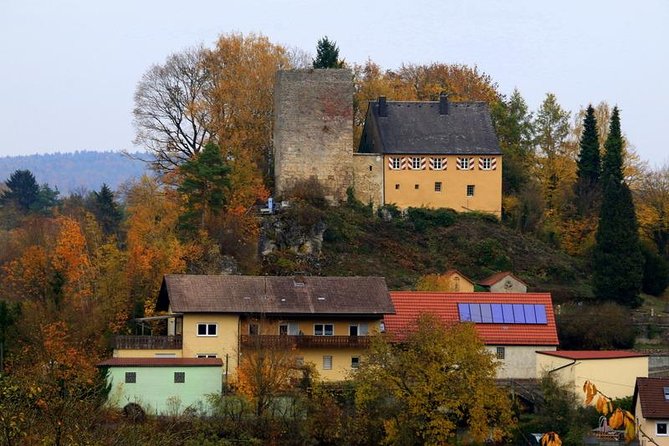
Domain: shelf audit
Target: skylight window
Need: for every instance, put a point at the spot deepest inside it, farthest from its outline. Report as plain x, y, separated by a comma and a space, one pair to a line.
495, 313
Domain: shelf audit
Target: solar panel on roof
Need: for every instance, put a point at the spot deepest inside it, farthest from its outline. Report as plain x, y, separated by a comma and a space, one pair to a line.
495, 313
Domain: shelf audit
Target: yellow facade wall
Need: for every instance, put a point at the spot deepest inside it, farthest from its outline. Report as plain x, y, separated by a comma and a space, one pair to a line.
132, 353
225, 342
615, 377
649, 428
416, 188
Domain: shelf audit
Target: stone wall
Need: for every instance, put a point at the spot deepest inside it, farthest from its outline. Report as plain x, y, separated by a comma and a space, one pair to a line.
368, 178
313, 130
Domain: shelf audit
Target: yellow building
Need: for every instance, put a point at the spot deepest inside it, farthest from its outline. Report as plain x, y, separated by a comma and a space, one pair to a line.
323, 321
614, 372
651, 410
436, 154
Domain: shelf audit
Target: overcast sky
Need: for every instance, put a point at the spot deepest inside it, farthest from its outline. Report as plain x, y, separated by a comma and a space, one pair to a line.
69, 68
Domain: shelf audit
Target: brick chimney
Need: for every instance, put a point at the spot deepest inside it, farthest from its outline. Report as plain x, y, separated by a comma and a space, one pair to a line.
383, 107
443, 103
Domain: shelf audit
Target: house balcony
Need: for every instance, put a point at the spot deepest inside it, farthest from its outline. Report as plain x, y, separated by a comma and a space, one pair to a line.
302, 341
148, 342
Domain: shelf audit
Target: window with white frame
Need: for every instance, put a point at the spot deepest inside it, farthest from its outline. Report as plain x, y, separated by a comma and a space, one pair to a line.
437, 186
661, 428
395, 163
130, 377
179, 377
327, 362
415, 162
501, 353
464, 163
485, 163
437, 163
204, 329
323, 329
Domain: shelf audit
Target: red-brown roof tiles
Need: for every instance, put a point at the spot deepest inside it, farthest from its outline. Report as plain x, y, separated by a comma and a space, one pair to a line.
593, 354
491, 280
161, 362
650, 393
409, 305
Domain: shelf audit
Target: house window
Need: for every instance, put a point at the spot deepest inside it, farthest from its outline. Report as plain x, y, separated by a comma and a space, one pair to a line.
394, 164
470, 190
437, 186
206, 355
206, 329
397, 186
464, 163
486, 163
661, 428
353, 330
437, 164
253, 329
355, 362
283, 330
130, 377
327, 362
416, 186
501, 353
323, 329
179, 377
415, 162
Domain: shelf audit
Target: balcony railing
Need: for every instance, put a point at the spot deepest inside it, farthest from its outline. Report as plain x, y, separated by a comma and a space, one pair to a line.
148, 342
302, 341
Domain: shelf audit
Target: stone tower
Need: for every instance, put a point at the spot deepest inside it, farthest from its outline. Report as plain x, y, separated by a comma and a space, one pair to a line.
313, 130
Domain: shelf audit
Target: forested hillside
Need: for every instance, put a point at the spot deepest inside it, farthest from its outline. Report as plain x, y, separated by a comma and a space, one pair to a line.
79, 171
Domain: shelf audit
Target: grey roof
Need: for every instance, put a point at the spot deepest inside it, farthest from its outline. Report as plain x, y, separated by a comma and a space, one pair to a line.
418, 127
275, 295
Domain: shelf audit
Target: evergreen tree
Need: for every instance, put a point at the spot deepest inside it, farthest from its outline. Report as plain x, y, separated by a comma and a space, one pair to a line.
617, 259
327, 54
589, 168
204, 186
23, 190
106, 210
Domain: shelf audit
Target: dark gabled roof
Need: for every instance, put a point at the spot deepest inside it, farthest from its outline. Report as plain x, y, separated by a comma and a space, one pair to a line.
161, 362
650, 393
363, 296
418, 127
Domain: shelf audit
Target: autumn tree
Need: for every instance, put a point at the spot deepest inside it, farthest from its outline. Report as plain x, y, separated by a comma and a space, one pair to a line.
438, 379
172, 113
617, 260
327, 54
652, 204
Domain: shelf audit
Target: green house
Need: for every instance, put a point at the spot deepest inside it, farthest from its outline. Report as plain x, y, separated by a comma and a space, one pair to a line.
163, 385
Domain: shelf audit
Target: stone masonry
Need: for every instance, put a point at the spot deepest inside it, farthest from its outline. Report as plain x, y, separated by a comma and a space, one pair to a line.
313, 122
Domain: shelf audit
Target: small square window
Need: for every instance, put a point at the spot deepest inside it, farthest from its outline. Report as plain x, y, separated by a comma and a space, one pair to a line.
179, 377
661, 428
416, 186
397, 186
206, 329
470, 190
437, 186
355, 362
501, 352
130, 377
327, 362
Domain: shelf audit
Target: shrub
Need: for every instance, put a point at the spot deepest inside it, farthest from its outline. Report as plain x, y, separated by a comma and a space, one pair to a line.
423, 218
595, 327
310, 191
655, 272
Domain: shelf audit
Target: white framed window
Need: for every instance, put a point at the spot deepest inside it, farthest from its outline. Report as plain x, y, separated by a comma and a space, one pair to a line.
327, 362
416, 162
470, 190
206, 355
355, 362
206, 329
485, 163
464, 163
130, 377
500, 353
395, 163
323, 329
437, 163
179, 377
437, 186
661, 429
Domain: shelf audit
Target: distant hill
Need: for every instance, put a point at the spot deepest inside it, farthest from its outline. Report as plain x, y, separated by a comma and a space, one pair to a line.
70, 172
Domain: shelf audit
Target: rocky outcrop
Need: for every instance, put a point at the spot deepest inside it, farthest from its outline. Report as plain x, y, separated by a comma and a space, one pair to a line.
281, 233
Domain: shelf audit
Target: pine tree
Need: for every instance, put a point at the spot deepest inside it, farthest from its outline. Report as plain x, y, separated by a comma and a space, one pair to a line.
617, 259
587, 187
327, 54
23, 190
106, 210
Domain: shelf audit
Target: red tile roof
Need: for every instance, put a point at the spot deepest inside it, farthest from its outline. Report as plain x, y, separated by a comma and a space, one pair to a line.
161, 362
411, 304
650, 393
451, 272
593, 354
491, 280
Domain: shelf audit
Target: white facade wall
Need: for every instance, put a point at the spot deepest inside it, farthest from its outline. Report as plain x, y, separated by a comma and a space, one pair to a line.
520, 361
